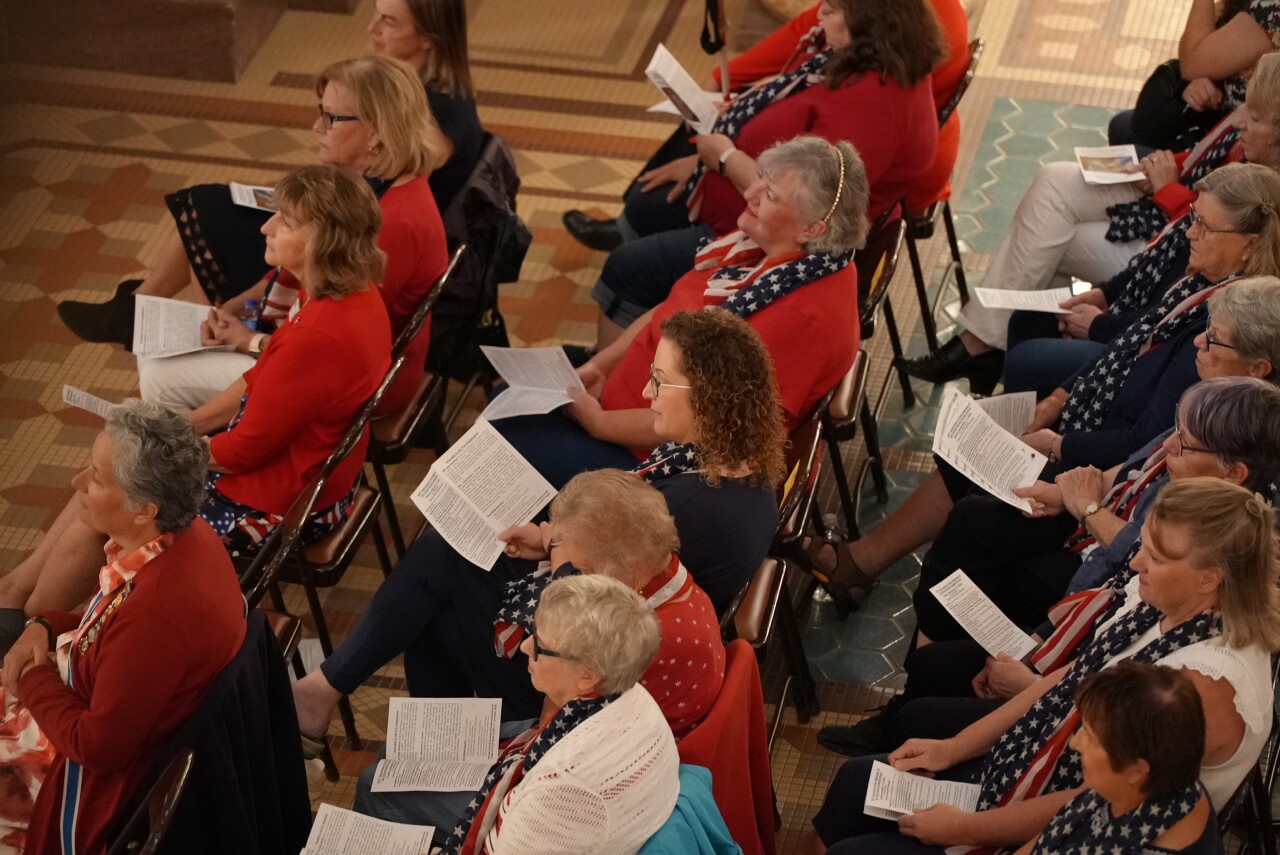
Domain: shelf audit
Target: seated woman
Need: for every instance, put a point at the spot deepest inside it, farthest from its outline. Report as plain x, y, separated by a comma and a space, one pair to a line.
714, 399
272, 429
599, 770
1065, 227
100, 693
1228, 427
1126, 396
1203, 600
431, 36
787, 272
872, 59
373, 122
1141, 736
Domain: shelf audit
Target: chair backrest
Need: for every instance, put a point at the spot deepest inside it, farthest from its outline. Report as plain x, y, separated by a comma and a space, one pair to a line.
975, 54
419, 316
876, 263
847, 394
145, 830
803, 456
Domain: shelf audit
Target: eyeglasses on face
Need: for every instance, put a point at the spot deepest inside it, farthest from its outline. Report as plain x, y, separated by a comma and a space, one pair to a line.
539, 650
1197, 220
328, 119
1211, 340
657, 385
1183, 445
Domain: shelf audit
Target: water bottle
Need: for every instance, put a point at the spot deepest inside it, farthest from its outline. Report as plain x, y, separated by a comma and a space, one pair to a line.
249, 314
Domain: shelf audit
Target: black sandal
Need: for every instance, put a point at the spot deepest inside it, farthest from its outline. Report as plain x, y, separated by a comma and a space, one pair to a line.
847, 596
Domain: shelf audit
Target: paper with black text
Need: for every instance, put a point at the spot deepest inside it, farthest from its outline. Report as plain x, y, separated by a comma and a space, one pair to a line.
164, 327
83, 400
478, 488
666, 107
980, 617
697, 106
982, 451
1013, 411
538, 379
891, 793
337, 831
250, 196
1026, 301
439, 745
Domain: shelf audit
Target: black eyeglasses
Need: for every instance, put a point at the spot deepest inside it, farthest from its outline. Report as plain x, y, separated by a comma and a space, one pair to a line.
1197, 220
656, 385
328, 119
1210, 341
1183, 445
539, 650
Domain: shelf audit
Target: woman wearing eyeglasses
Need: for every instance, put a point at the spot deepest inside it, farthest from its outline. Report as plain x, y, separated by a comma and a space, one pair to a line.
373, 123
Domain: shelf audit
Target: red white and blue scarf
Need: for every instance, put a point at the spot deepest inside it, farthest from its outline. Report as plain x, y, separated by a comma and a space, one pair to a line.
1134, 831
744, 281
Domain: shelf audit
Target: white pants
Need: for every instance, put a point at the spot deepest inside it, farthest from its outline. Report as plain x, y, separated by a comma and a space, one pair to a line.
183, 383
1058, 231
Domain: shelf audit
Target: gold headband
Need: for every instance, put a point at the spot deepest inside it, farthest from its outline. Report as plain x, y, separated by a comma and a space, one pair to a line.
839, 185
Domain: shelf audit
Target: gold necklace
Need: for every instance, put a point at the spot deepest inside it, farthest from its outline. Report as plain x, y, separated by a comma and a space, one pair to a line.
90, 634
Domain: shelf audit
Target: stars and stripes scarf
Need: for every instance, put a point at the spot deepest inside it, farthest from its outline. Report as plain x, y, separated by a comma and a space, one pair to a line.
668, 459
1153, 268
519, 756
1133, 831
1123, 497
1077, 615
744, 281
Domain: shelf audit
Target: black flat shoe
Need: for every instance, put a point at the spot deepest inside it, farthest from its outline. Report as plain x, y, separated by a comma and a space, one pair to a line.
873, 735
952, 362
103, 323
602, 235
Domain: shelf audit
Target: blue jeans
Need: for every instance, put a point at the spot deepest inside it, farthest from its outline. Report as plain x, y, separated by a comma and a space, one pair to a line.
639, 274
1045, 364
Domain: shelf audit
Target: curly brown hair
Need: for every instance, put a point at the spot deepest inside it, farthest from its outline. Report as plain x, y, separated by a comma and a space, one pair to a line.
901, 39
735, 396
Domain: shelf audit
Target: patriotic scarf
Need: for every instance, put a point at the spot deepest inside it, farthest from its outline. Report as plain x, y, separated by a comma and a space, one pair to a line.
744, 281
1142, 218
1076, 616
1031, 757
1123, 497
812, 48
1147, 271
519, 756
1132, 832
670, 458
1182, 306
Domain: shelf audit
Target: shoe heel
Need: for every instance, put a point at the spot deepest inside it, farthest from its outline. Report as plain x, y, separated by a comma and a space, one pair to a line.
983, 383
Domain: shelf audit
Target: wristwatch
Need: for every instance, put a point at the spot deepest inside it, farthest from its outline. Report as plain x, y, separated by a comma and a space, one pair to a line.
42, 622
255, 344
724, 158
1089, 510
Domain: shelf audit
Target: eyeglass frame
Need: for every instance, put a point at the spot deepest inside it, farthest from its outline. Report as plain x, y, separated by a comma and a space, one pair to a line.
328, 119
1183, 445
1197, 220
539, 650
656, 385
1210, 341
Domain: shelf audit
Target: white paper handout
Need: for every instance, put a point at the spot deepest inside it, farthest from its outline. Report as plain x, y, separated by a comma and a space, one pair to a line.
538, 380
1026, 301
1013, 411
82, 399
439, 745
337, 831
698, 106
980, 617
164, 327
891, 793
250, 196
982, 451
1108, 164
665, 107
478, 488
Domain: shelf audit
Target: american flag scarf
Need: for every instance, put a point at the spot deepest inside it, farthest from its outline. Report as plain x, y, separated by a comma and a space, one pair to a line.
668, 459
1123, 497
1133, 832
744, 281
1031, 757
519, 756
1077, 615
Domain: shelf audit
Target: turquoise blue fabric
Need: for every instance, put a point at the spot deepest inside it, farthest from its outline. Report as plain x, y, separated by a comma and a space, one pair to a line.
695, 826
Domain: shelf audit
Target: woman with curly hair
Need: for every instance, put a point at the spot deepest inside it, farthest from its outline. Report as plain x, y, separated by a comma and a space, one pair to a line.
714, 401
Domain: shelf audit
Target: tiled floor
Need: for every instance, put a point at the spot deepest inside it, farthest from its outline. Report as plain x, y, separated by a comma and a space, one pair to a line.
86, 157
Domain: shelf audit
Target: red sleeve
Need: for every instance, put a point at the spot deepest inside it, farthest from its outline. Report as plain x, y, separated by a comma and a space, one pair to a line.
133, 674
1174, 199
60, 621
767, 56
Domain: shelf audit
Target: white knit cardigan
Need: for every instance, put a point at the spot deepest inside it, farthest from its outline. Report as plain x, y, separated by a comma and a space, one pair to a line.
607, 786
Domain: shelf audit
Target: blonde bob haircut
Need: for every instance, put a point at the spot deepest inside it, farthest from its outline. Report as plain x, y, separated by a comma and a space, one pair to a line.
1263, 95
387, 95
1230, 528
602, 625
619, 522
343, 217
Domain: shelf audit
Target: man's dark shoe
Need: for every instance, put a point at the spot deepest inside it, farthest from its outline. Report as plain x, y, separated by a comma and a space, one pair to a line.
873, 735
602, 235
103, 323
952, 362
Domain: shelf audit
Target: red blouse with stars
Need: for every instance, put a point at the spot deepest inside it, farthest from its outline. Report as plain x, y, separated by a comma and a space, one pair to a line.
686, 676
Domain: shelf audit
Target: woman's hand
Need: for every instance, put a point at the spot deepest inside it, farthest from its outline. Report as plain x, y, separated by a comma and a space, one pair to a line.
1045, 499
1202, 94
940, 825
1076, 324
1092, 297
1079, 487
223, 328
1047, 411
1045, 441
585, 410
592, 377
928, 755
31, 648
678, 171
1002, 677
527, 541
1161, 168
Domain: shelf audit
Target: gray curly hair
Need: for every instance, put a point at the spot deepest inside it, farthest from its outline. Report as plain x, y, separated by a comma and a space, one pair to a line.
816, 167
158, 459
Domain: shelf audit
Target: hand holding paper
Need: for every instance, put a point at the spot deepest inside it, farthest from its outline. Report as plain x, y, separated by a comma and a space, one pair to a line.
539, 379
439, 745
1026, 301
982, 451
698, 107
164, 327
980, 617
891, 793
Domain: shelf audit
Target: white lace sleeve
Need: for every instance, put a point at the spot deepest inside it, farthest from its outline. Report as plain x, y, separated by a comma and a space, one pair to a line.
1248, 672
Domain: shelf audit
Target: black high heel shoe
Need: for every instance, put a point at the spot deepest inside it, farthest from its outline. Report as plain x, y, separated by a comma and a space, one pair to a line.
602, 235
953, 361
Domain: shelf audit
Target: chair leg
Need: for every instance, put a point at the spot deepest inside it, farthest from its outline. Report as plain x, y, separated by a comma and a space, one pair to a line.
922, 295
842, 489
804, 690
393, 519
875, 457
380, 544
961, 285
895, 341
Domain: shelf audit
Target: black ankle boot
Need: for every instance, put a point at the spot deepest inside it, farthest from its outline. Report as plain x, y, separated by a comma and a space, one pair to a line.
952, 362
103, 323
602, 235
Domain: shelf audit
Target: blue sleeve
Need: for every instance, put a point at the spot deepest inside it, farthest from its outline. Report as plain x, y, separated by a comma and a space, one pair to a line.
1106, 327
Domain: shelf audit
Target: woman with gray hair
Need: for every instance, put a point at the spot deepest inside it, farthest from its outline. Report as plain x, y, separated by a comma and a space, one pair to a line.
78, 739
1241, 337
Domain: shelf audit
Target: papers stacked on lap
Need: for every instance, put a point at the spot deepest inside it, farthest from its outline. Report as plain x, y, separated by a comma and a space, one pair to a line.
164, 327
439, 745
344, 832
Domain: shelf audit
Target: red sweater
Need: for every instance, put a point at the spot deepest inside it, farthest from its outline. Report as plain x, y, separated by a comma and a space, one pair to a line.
135, 686
686, 675
812, 335
303, 393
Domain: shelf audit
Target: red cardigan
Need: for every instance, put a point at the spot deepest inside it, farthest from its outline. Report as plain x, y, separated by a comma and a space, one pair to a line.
303, 393
135, 686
